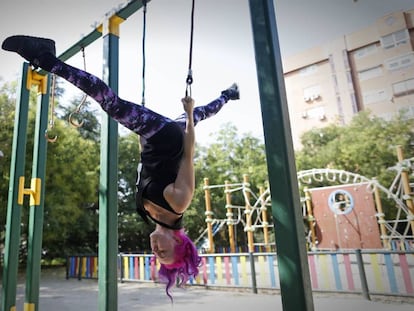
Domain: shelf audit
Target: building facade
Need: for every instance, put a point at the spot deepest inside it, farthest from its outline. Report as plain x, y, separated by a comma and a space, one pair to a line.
371, 69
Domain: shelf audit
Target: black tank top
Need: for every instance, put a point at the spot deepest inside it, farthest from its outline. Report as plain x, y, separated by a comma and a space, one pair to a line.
160, 160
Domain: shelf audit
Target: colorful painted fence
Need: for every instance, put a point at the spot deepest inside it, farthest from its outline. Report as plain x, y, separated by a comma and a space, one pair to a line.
387, 272
133, 267
82, 267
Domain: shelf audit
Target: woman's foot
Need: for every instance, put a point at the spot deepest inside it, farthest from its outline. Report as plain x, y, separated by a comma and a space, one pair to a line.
232, 93
30, 48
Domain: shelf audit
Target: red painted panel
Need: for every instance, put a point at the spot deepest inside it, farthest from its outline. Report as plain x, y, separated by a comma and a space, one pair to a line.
357, 228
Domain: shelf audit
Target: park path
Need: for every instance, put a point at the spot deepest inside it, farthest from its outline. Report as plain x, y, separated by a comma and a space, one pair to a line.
56, 293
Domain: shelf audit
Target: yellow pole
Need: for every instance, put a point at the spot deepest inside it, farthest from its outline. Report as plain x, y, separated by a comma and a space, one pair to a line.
381, 220
209, 215
229, 215
265, 222
311, 219
407, 188
248, 211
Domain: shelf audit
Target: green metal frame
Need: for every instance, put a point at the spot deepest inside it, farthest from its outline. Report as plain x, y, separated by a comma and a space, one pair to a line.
108, 192
17, 190
292, 260
295, 284
12, 242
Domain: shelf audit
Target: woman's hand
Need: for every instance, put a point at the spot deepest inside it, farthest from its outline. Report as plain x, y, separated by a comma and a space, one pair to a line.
188, 105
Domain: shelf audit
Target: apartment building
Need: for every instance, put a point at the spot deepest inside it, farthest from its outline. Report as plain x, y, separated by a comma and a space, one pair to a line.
371, 69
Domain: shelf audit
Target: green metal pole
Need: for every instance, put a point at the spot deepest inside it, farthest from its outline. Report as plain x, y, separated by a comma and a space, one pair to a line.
12, 243
108, 200
35, 232
295, 284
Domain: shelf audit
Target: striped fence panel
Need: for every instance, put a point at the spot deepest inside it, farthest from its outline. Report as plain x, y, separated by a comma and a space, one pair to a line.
82, 267
385, 272
135, 267
235, 270
390, 272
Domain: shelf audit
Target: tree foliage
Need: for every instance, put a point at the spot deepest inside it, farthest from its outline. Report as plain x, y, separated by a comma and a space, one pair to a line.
71, 201
367, 146
133, 231
7, 105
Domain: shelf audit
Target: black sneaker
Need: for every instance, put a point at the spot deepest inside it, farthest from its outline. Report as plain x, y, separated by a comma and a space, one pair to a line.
232, 92
30, 48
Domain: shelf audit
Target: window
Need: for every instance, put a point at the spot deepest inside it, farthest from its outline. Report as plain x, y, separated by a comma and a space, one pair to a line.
407, 112
399, 62
311, 93
370, 73
403, 87
315, 113
395, 39
365, 51
375, 96
306, 71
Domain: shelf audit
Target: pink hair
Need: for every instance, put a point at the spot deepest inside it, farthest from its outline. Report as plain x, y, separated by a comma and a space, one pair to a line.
186, 263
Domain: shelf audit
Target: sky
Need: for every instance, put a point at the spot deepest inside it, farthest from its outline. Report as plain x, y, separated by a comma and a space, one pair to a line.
223, 46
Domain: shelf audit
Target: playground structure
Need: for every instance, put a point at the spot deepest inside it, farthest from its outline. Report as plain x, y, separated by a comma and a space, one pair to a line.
281, 163
251, 217
347, 213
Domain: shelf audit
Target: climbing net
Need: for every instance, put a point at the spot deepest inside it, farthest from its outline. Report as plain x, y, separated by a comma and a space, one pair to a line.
252, 215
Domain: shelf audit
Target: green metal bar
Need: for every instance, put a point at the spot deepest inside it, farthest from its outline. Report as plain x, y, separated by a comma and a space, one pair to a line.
82, 43
12, 243
128, 10
35, 231
124, 13
108, 196
290, 237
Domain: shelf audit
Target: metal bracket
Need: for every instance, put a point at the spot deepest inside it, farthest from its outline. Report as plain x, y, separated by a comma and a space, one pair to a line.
111, 25
34, 78
33, 191
29, 307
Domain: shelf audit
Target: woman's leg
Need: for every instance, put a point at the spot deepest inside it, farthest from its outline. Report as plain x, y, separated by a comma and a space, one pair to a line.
41, 53
137, 118
204, 112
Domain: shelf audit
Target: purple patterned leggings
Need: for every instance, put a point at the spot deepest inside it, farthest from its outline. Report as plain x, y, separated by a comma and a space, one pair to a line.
137, 118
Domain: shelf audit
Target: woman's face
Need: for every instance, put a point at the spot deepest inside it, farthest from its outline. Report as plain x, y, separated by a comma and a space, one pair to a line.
163, 244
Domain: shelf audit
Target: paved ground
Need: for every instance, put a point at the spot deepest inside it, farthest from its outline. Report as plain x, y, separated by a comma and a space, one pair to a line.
56, 293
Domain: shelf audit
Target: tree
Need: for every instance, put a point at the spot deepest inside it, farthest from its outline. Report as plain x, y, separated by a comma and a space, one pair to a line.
7, 106
71, 202
133, 231
367, 146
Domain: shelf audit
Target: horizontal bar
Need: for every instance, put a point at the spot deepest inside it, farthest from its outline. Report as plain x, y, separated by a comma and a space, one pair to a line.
124, 12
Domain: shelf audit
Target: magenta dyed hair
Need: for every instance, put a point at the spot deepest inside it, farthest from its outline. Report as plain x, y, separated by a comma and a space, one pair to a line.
186, 263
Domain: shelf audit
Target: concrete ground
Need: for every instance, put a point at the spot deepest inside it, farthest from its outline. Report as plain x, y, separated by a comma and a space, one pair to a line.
56, 293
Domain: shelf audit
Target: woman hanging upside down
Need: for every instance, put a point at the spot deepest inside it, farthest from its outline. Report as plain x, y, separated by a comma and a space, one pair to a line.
165, 182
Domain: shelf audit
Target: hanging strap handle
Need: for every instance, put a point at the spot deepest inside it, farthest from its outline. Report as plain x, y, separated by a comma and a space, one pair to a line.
77, 111
52, 113
144, 30
189, 79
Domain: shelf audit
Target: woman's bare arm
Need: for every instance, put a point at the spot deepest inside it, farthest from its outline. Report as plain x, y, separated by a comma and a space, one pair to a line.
180, 193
